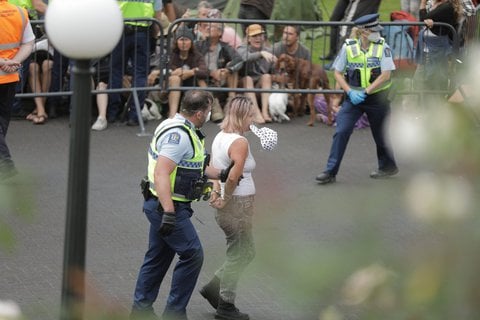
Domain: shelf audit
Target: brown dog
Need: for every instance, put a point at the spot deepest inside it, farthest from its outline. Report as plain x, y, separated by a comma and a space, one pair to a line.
304, 75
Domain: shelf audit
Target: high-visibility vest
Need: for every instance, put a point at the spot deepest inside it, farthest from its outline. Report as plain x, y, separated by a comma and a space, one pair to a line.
12, 23
27, 4
188, 171
132, 9
364, 67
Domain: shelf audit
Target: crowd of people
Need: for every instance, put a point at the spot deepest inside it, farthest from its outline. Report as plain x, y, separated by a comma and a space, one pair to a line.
216, 54
213, 54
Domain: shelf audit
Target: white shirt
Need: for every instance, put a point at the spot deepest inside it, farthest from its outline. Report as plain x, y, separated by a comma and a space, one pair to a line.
221, 160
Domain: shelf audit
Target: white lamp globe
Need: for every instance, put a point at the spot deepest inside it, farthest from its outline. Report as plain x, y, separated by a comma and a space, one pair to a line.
84, 29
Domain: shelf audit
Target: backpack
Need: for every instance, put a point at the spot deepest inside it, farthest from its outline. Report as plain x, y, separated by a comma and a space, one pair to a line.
403, 49
405, 16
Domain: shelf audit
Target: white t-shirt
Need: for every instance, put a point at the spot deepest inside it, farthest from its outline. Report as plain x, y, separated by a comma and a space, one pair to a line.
220, 160
28, 34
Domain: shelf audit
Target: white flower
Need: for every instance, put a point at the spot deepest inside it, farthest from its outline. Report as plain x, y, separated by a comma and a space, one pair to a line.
433, 197
9, 310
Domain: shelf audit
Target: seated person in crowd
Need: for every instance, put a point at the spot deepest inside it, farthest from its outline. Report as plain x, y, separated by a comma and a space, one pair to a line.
321, 108
258, 67
223, 63
40, 75
187, 67
198, 28
290, 44
100, 82
229, 35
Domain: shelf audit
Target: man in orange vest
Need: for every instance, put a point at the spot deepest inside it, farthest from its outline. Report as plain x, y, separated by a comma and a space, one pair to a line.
16, 44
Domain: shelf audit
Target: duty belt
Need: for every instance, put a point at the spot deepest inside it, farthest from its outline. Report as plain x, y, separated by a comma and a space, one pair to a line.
130, 28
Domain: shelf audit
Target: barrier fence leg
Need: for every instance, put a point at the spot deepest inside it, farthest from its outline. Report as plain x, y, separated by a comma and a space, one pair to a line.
136, 102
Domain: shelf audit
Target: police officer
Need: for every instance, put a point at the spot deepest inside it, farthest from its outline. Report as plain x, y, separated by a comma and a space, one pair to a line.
363, 70
134, 46
16, 44
177, 172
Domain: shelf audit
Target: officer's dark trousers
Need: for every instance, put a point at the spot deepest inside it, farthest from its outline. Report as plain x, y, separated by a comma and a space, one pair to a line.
183, 241
7, 96
377, 108
133, 46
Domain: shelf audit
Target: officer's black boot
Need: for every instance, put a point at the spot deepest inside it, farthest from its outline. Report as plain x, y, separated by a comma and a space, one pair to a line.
211, 292
228, 311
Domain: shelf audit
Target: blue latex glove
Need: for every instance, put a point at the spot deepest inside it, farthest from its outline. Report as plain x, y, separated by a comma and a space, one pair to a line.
356, 96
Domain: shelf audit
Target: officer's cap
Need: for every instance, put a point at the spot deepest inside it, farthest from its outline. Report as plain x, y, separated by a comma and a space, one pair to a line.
369, 21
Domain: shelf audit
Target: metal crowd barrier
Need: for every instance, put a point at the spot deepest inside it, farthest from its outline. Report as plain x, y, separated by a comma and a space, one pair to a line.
315, 36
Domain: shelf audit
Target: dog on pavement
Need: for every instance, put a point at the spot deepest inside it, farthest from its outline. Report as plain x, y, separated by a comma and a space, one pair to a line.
277, 105
303, 74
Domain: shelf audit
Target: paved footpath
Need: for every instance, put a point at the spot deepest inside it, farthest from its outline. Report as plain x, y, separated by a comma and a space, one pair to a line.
296, 220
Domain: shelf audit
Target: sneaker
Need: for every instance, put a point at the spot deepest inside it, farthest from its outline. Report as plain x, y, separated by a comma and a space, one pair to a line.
381, 174
100, 124
325, 178
133, 122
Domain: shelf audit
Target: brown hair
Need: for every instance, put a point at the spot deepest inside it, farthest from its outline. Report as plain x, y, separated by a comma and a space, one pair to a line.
196, 100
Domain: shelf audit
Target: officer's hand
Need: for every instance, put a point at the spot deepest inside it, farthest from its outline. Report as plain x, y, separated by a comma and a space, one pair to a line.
224, 172
356, 96
168, 223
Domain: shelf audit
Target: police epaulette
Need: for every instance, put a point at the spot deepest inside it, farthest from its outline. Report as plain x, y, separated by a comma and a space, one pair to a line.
349, 42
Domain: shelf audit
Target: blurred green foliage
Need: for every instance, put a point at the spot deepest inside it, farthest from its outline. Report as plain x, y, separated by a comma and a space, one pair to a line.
406, 248
16, 201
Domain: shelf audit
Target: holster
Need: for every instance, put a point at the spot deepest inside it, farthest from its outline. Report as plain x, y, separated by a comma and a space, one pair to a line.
374, 73
145, 188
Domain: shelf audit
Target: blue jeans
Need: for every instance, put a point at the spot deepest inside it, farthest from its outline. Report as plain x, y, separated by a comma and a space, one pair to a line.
59, 69
183, 241
377, 108
132, 48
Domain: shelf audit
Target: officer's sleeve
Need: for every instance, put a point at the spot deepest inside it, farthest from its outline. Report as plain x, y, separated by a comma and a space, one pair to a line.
175, 145
340, 62
387, 63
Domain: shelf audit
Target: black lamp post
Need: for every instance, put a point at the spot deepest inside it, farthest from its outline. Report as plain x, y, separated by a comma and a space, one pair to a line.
80, 30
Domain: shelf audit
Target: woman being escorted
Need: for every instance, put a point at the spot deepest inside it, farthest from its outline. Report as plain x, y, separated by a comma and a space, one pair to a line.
234, 203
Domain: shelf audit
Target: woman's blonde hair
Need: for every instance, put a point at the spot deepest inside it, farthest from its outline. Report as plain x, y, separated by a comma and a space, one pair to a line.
237, 112
355, 33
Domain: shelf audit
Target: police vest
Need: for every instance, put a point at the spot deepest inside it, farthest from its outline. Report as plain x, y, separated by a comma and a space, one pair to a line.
364, 67
27, 4
135, 9
12, 23
188, 172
